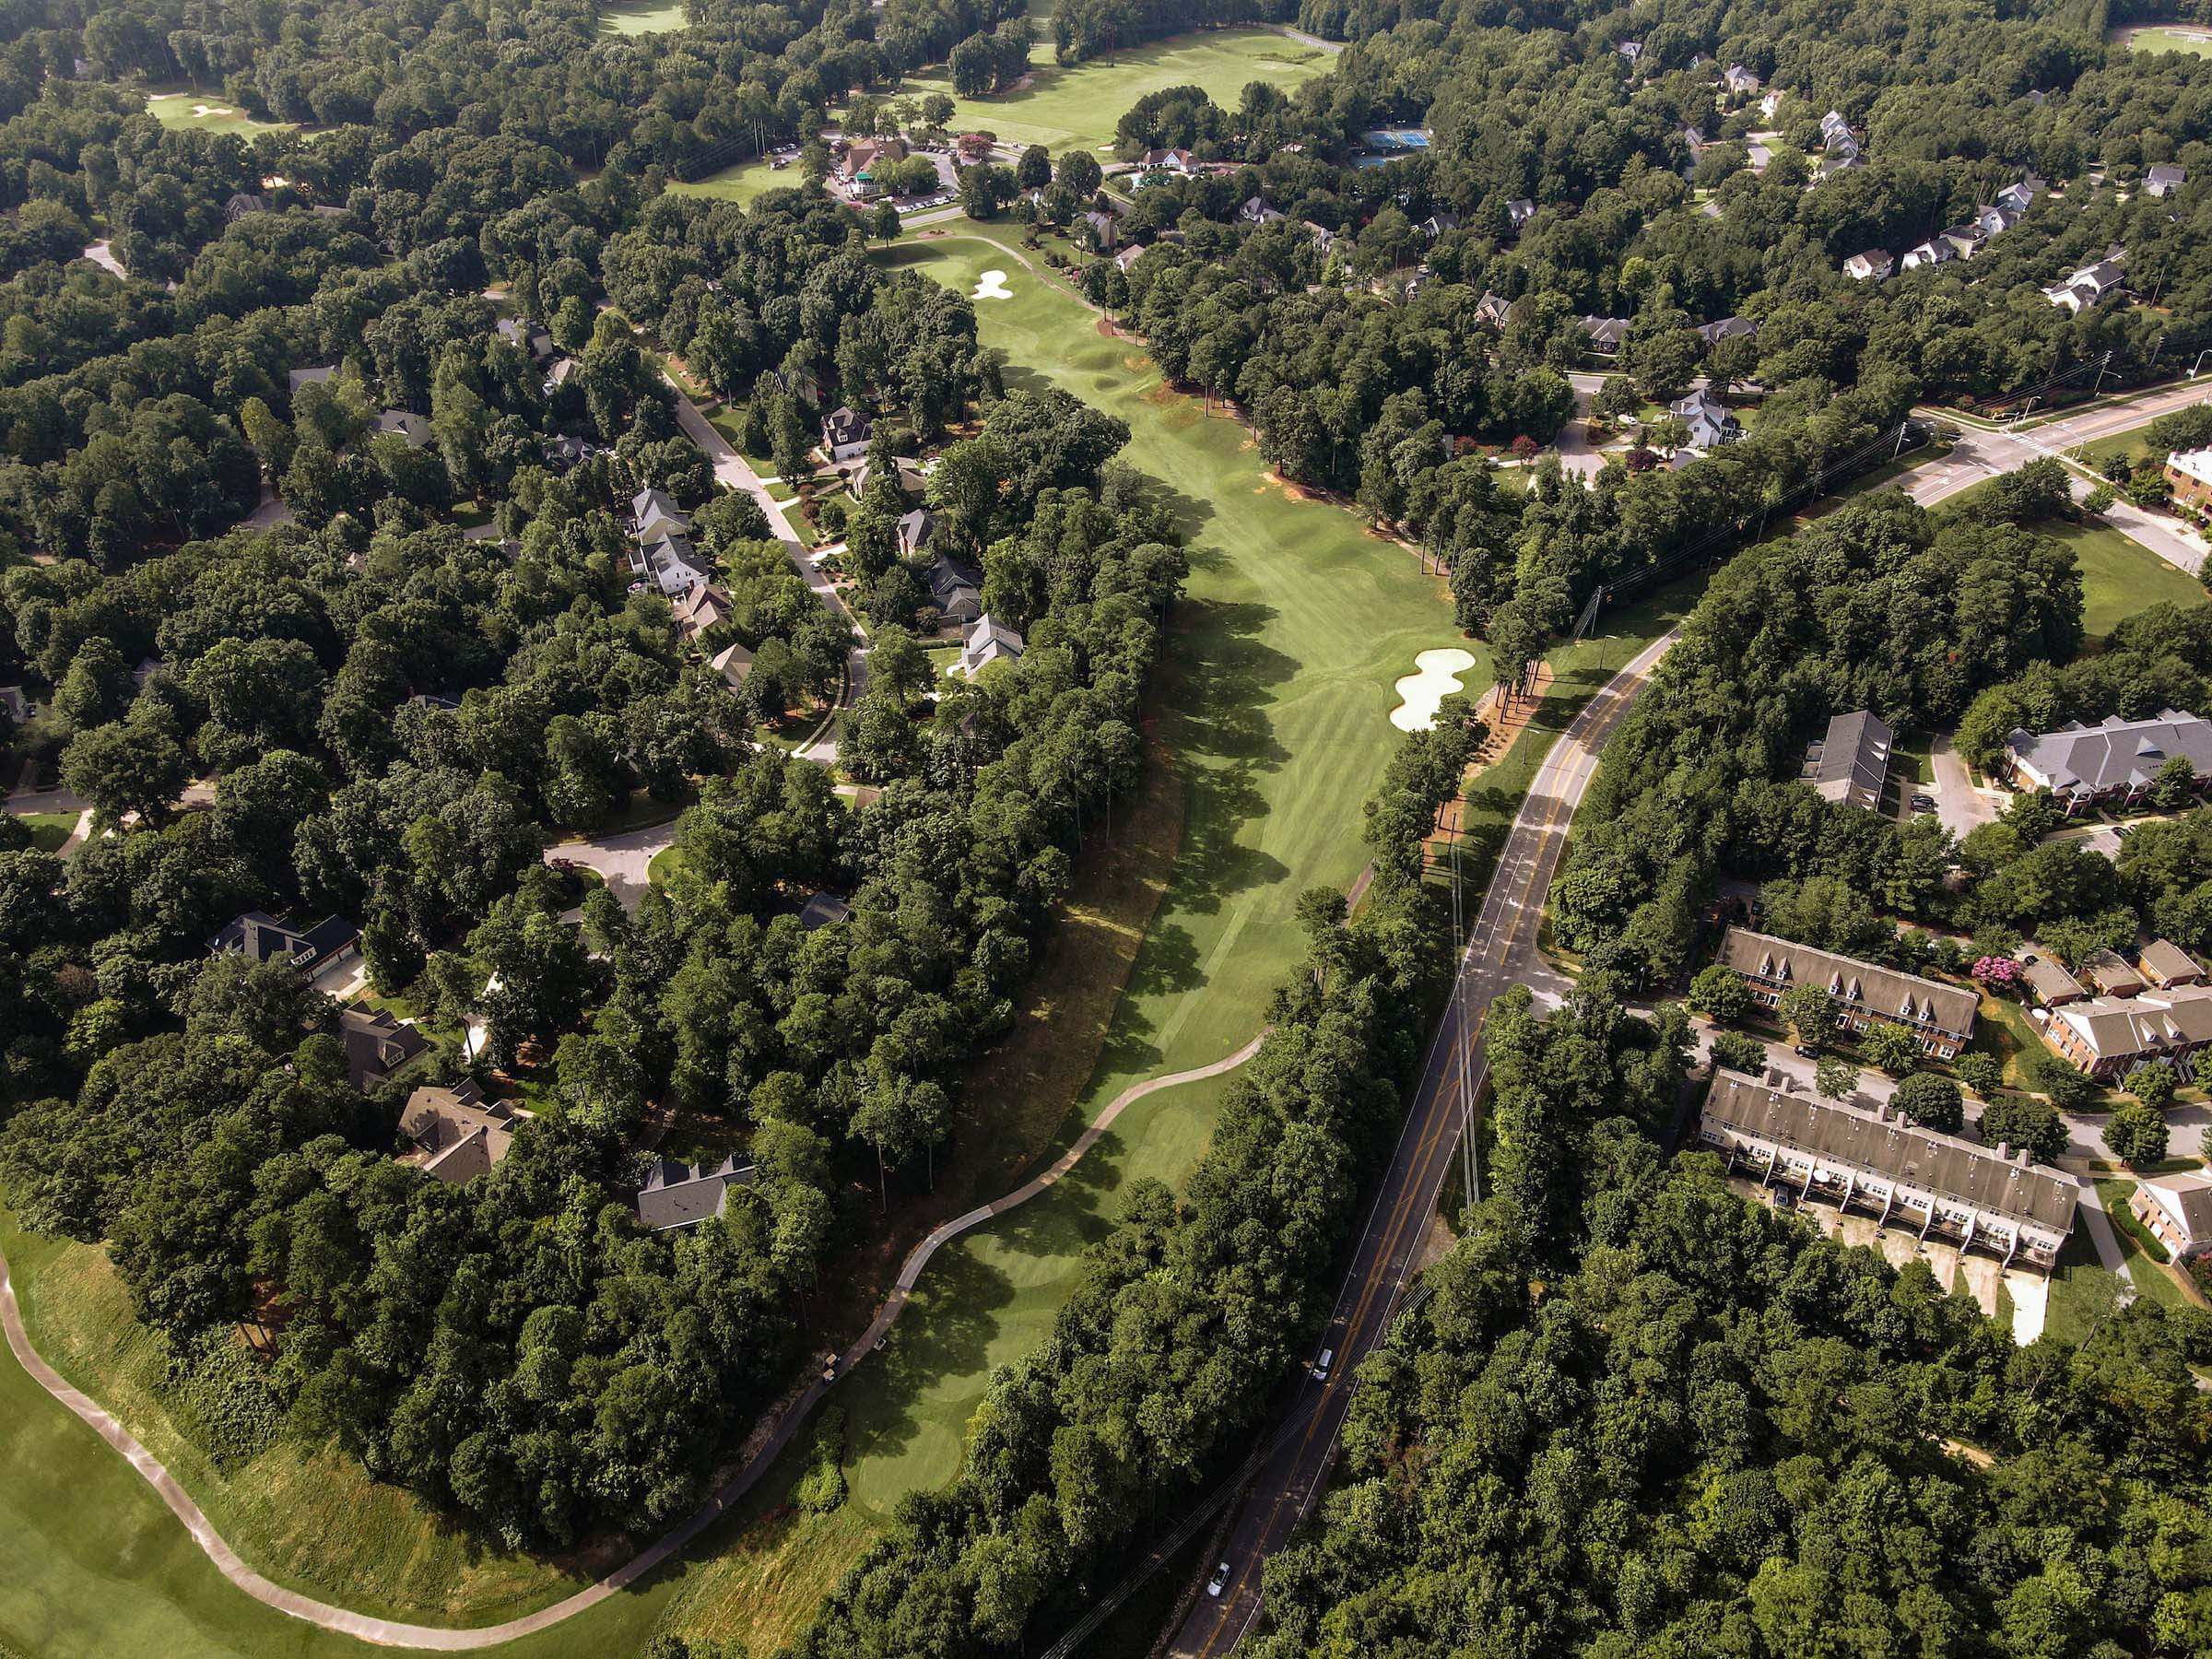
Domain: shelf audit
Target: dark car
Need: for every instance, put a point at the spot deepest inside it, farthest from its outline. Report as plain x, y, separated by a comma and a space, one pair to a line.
1923, 802
1806, 1051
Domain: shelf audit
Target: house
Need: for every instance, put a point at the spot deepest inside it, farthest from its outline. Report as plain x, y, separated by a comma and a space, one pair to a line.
1321, 236
142, 676
1934, 252
1727, 328
988, 642
1605, 333
2108, 972
377, 1045
912, 478
913, 530
1492, 309
1863, 993
1995, 219
854, 164
1837, 162
1874, 265
527, 337
1169, 160
2164, 178
670, 563
1738, 81
2020, 195
262, 938
1708, 424
562, 371
1965, 240
1695, 141
1849, 764
677, 1197
702, 606
2111, 763
2190, 473
1632, 51
733, 662
245, 202
845, 433
2108, 1037
2165, 965
1954, 1191
1131, 255
1518, 212
1835, 130
822, 909
957, 591
14, 704
654, 514
1438, 224
1257, 211
2177, 1209
2088, 286
563, 451
1770, 101
318, 376
2053, 985
406, 424
454, 1134
1102, 228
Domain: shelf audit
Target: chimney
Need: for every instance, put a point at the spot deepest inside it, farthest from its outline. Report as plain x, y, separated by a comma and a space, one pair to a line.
2020, 1157
249, 936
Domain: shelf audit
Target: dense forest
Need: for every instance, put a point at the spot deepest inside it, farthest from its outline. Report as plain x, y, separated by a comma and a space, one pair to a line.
1640, 1414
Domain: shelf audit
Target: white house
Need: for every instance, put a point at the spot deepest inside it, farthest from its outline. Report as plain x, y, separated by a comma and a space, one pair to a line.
1874, 265
988, 642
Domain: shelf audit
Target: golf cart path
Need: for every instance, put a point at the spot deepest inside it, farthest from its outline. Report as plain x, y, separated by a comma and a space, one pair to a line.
764, 1451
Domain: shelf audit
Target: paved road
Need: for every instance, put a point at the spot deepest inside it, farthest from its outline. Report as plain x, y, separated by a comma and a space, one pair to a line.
734, 472
1502, 954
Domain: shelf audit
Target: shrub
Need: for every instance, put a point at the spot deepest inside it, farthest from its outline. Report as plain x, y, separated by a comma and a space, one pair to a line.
2136, 1134
1984, 1073
1739, 1052
2068, 1089
1932, 1101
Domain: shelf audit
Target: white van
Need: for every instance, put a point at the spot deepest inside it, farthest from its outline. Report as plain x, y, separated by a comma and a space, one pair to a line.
1321, 1366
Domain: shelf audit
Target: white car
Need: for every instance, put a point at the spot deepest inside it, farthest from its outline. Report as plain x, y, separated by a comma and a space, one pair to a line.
1321, 1366
1218, 1583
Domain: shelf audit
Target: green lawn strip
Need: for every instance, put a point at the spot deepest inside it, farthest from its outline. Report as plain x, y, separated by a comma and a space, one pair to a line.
641, 19
179, 110
48, 830
2143, 1253
2082, 1290
2120, 577
1273, 703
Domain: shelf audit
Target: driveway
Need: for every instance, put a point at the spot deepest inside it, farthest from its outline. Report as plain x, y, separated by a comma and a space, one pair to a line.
1961, 805
621, 859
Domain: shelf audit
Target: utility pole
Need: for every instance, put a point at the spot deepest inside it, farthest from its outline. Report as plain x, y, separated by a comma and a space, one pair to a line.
2103, 363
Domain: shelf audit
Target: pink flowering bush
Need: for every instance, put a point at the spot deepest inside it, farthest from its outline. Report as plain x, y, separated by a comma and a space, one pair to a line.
1999, 973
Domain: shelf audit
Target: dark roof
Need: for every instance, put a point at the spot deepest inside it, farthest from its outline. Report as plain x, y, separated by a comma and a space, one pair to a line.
377, 1044
1895, 1150
263, 937
822, 909
1879, 989
1852, 762
2083, 760
677, 1194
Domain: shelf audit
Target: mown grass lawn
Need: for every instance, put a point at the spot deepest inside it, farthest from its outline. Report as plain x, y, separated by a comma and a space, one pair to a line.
209, 111
2196, 43
2120, 577
641, 19
1076, 107
48, 830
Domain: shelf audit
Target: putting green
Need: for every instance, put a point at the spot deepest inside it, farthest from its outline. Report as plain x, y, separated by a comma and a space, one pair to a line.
1076, 107
1275, 701
642, 20
210, 111
2188, 38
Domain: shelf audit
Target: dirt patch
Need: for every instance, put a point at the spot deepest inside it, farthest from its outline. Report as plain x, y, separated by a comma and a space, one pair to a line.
1504, 728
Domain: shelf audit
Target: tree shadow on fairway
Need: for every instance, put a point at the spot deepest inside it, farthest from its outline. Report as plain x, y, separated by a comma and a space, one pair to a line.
1187, 512
948, 1335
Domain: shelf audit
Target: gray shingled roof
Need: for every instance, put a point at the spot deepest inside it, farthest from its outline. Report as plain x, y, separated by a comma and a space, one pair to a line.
1944, 1165
2115, 754
1851, 763
676, 1195
1867, 985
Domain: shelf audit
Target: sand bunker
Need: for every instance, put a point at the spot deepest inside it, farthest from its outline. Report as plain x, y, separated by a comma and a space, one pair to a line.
204, 110
1438, 678
991, 284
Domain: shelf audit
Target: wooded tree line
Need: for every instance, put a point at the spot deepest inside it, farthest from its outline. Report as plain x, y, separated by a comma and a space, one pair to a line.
1640, 1413
1878, 604
1193, 1308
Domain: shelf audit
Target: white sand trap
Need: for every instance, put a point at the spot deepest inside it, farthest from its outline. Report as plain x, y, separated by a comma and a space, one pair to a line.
204, 110
1438, 678
991, 284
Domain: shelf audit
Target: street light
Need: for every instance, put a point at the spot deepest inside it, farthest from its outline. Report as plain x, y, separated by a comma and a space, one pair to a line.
2200, 361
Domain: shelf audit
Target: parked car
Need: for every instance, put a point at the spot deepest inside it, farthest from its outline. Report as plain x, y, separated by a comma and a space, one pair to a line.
1923, 802
1806, 1052
1219, 1581
1321, 1366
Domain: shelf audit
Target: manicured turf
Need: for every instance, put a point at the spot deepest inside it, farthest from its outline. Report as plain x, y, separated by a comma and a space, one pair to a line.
2120, 577
48, 829
1273, 704
641, 19
1076, 107
182, 109
2196, 43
